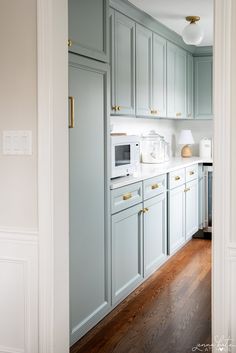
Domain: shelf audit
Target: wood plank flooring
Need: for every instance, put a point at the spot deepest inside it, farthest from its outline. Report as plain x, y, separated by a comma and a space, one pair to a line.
169, 313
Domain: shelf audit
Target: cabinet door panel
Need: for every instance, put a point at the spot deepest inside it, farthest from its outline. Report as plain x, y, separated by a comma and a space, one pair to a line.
123, 65
176, 218
159, 76
190, 113
127, 269
176, 81
89, 281
88, 28
154, 233
192, 219
143, 70
203, 88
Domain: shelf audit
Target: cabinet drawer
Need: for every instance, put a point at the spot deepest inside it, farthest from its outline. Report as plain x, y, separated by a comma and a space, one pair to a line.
154, 186
191, 172
125, 197
176, 178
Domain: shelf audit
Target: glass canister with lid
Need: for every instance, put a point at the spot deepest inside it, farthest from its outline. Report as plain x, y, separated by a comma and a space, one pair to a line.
152, 148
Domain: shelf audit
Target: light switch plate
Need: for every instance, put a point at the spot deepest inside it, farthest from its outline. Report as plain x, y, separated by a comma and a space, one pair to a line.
17, 142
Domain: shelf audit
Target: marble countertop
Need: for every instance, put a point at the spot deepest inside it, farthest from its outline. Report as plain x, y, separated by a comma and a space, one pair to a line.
147, 171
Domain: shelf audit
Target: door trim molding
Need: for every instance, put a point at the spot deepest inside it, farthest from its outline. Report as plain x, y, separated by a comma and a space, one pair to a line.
222, 169
53, 182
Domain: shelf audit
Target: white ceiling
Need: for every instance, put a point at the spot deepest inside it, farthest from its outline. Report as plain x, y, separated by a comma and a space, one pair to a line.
172, 14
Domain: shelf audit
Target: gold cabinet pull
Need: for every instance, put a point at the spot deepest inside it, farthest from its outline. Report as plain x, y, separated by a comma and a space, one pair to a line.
127, 196
144, 210
191, 173
72, 112
177, 178
153, 111
69, 42
187, 189
178, 114
116, 108
155, 186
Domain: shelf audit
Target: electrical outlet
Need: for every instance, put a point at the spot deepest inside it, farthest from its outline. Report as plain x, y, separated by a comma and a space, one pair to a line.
17, 142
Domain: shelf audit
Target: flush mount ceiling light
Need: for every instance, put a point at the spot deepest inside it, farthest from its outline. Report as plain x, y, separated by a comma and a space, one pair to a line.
192, 33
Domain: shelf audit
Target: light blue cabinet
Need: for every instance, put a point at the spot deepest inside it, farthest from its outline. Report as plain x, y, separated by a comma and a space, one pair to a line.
192, 221
203, 95
176, 218
122, 64
176, 81
190, 108
158, 76
143, 71
88, 28
90, 283
127, 254
155, 235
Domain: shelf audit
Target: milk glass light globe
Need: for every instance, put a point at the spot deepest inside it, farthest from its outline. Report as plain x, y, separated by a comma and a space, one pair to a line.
192, 33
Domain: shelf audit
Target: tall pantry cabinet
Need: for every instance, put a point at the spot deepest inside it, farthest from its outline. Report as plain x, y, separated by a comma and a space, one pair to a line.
88, 112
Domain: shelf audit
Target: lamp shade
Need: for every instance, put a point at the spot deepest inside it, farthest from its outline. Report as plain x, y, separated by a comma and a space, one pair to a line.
186, 138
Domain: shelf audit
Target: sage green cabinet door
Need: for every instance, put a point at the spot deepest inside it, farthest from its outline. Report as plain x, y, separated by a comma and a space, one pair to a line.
123, 64
203, 87
176, 81
143, 71
88, 28
155, 236
159, 76
176, 218
127, 259
190, 111
89, 253
192, 220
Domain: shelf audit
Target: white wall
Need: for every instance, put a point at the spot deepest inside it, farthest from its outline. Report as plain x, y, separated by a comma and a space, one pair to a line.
18, 175
170, 129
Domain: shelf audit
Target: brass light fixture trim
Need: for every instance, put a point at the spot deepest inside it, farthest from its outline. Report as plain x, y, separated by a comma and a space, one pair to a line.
192, 19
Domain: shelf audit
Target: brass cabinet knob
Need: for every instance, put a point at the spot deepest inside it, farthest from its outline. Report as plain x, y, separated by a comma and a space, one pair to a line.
178, 114
191, 173
155, 186
118, 108
144, 210
177, 178
69, 43
187, 189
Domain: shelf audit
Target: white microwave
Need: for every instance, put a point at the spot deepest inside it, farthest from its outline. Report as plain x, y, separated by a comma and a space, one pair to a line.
125, 155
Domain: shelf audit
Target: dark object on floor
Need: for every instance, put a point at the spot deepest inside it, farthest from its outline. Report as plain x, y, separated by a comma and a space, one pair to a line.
202, 235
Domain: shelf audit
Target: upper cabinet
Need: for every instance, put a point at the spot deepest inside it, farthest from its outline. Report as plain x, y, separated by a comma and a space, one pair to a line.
203, 96
143, 71
150, 73
88, 28
159, 76
123, 64
190, 108
176, 81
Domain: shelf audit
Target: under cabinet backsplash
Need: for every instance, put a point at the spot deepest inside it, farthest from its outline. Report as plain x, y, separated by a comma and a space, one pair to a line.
170, 129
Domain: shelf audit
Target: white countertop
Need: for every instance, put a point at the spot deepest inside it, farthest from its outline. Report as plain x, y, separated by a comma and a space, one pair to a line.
147, 171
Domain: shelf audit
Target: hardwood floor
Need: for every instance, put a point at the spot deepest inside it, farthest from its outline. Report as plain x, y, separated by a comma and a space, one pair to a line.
169, 313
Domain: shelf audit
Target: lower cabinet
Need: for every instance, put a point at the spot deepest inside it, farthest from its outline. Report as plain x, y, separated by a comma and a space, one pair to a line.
176, 218
191, 208
127, 253
183, 210
155, 235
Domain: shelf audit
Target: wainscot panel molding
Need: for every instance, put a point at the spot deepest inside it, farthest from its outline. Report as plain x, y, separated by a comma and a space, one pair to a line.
19, 290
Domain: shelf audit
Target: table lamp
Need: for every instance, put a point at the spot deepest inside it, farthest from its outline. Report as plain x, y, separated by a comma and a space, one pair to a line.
186, 139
